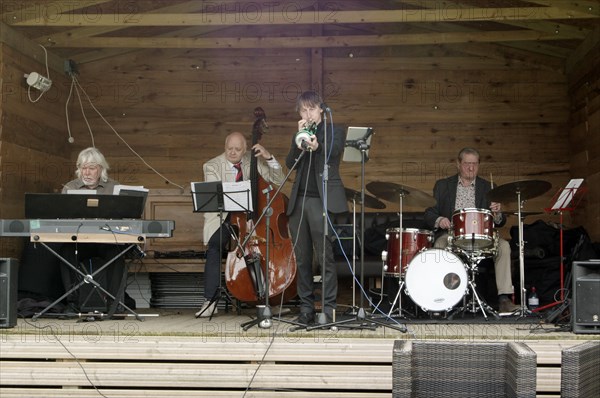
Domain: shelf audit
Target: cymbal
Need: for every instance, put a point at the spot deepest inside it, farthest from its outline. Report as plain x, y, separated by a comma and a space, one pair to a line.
370, 201
523, 213
528, 189
391, 192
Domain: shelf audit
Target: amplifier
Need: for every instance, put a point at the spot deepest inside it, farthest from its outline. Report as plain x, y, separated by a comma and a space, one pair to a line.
9, 268
585, 316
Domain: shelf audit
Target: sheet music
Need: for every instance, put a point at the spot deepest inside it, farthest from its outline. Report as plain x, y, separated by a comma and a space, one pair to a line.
567, 194
237, 196
138, 188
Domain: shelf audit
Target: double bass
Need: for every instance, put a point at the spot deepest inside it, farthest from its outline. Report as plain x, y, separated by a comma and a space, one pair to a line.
246, 267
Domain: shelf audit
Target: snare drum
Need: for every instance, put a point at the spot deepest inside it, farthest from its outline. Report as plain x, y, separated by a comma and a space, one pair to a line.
413, 241
472, 229
436, 280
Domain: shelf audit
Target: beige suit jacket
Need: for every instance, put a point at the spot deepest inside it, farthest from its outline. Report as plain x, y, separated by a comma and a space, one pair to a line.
219, 169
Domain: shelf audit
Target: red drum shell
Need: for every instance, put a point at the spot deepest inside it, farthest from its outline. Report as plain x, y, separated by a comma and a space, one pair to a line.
473, 229
413, 241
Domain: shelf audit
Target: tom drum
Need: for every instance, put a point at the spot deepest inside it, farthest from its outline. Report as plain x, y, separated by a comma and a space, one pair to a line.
413, 241
472, 229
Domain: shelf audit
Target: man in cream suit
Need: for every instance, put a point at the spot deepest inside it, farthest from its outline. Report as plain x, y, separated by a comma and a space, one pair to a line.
232, 165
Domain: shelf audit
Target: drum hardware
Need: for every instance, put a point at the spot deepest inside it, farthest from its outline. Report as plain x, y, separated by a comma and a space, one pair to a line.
372, 202
524, 189
392, 192
475, 302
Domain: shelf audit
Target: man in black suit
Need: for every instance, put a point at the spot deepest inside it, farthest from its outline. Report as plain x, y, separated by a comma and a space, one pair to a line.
467, 190
305, 209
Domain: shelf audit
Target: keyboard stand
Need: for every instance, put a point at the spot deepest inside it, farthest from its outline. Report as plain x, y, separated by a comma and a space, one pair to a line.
89, 278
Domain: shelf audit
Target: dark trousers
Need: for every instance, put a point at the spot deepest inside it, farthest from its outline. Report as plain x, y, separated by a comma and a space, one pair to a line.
306, 228
217, 244
88, 257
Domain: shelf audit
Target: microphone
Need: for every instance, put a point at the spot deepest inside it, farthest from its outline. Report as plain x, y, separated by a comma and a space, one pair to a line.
325, 107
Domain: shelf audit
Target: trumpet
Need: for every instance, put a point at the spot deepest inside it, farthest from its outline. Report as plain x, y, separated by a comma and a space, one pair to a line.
303, 136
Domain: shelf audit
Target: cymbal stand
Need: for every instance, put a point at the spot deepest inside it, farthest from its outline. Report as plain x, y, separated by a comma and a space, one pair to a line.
398, 297
524, 310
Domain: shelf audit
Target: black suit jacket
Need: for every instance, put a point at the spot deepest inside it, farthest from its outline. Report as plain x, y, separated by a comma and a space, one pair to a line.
336, 194
444, 193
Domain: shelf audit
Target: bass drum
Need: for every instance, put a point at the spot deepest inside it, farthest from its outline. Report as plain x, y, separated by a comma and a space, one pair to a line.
436, 280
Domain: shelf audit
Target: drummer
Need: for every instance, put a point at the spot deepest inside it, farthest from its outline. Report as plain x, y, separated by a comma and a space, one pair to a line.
467, 190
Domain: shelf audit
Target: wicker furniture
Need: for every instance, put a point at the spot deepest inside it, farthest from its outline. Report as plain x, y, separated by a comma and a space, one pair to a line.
463, 369
580, 370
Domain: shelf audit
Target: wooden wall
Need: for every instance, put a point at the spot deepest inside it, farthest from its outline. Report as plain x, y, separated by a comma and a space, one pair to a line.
174, 108
425, 104
34, 153
584, 132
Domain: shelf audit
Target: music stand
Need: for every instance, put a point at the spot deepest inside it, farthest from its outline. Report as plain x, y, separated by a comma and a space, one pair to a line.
217, 197
356, 138
565, 199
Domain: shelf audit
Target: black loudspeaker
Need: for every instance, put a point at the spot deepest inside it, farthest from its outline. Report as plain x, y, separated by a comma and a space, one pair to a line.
9, 270
585, 316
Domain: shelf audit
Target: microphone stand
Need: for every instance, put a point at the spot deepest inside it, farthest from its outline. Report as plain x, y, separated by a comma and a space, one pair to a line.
322, 317
264, 315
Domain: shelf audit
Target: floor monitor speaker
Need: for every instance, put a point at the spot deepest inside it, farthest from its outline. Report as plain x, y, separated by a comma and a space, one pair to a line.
9, 271
585, 316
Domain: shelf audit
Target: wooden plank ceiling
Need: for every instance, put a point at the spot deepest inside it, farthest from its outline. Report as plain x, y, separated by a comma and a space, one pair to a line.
90, 30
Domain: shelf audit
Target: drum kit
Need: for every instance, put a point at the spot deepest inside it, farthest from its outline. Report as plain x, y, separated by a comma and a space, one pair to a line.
435, 279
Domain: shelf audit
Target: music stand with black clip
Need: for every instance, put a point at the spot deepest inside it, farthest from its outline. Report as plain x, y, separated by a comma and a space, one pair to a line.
566, 199
219, 197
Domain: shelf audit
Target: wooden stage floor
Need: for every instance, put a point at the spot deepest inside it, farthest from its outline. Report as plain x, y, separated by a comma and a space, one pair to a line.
172, 354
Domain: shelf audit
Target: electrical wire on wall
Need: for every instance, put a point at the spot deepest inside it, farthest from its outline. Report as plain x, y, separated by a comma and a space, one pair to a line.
75, 85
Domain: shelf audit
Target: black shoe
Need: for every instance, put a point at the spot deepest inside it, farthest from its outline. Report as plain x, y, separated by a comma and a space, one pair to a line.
306, 318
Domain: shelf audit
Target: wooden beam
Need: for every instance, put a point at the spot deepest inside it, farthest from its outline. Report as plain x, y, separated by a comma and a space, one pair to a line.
552, 27
13, 11
271, 17
26, 46
308, 42
584, 48
589, 6
190, 6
